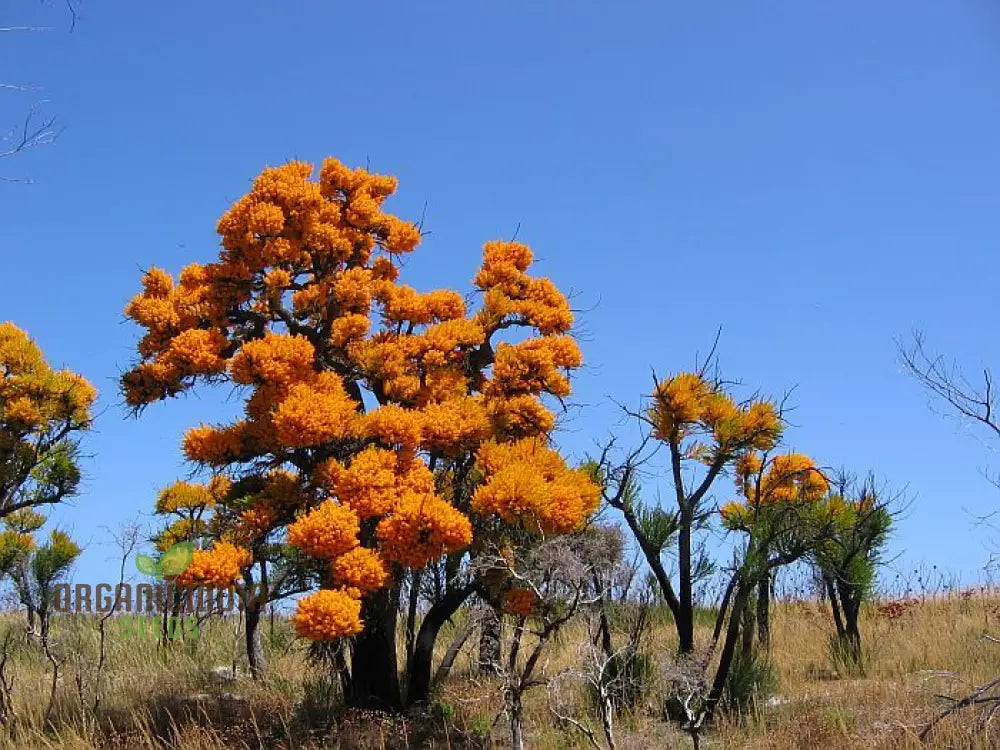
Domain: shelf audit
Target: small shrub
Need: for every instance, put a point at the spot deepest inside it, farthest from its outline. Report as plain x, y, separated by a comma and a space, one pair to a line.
751, 681
443, 711
320, 696
842, 658
627, 678
479, 726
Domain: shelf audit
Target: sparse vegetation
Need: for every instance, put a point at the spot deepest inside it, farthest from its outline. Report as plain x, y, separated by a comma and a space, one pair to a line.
158, 696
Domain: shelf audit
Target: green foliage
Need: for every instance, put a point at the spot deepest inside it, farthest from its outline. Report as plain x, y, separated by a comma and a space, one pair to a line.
58, 475
14, 550
751, 681
479, 726
53, 559
658, 526
443, 711
859, 531
24, 521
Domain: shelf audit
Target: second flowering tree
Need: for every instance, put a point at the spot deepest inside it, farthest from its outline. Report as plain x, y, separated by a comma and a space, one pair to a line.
384, 428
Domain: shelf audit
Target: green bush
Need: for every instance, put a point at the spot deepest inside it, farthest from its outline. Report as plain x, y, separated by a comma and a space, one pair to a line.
751, 681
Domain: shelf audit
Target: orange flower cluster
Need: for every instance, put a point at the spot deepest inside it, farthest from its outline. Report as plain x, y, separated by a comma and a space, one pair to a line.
422, 527
360, 569
181, 530
688, 401
184, 496
315, 413
520, 601
219, 566
327, 531
368, 486
511, 294
527, 483
789, 478
793, 477
328, 614
736, 515
533, 366
35, 399
304, 312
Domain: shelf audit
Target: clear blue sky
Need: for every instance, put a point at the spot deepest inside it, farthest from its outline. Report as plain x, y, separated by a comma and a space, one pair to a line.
816, 178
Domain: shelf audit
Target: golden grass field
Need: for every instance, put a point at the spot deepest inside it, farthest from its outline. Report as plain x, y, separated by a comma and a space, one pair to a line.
153, 696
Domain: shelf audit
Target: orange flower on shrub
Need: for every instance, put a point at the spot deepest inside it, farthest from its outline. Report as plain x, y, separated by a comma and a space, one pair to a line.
361, 569
219, 566
327, 615
327, 531
527, 483
520, 601
421, 528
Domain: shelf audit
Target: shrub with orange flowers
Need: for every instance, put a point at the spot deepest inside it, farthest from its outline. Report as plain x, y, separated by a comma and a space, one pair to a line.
377, 398
707, 432
219, 566
520, 601
328, 614
43, 412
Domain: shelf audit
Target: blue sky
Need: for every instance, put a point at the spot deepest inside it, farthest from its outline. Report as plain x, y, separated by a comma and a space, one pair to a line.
815, 178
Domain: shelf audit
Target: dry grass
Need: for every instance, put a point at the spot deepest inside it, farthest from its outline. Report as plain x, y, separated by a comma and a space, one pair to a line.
153, 696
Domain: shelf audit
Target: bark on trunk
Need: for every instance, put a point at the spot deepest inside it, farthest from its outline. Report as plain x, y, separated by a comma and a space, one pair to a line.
411, 613
685, 611
255, 649
517, 724
419, 688
454, 649
490, 637
850, 602
764, 613
374, 683
831, 592
728, 651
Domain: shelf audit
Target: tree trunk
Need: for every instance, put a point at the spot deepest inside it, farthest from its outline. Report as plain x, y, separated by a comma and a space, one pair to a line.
604, 628
831, 592
764, 613
516, 723
490, 638
728, 651
374, 683
454, 649
253, 606
255, 649
685, 611
747, 622
411, 613
851, 605
419, 667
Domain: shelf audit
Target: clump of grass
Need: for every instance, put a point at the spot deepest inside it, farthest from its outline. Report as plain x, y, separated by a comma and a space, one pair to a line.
752, 680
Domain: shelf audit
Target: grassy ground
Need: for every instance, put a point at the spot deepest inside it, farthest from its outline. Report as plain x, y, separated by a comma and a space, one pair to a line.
149, 696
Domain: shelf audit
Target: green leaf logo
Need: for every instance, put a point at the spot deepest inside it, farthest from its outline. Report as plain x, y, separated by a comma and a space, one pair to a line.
147, 565
176, 559
173, 562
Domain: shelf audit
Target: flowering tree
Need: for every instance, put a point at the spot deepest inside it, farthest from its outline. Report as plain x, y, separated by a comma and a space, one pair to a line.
780, 512
861, 520
245, 547
781, 515
42, 410
706, 430
398, 425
